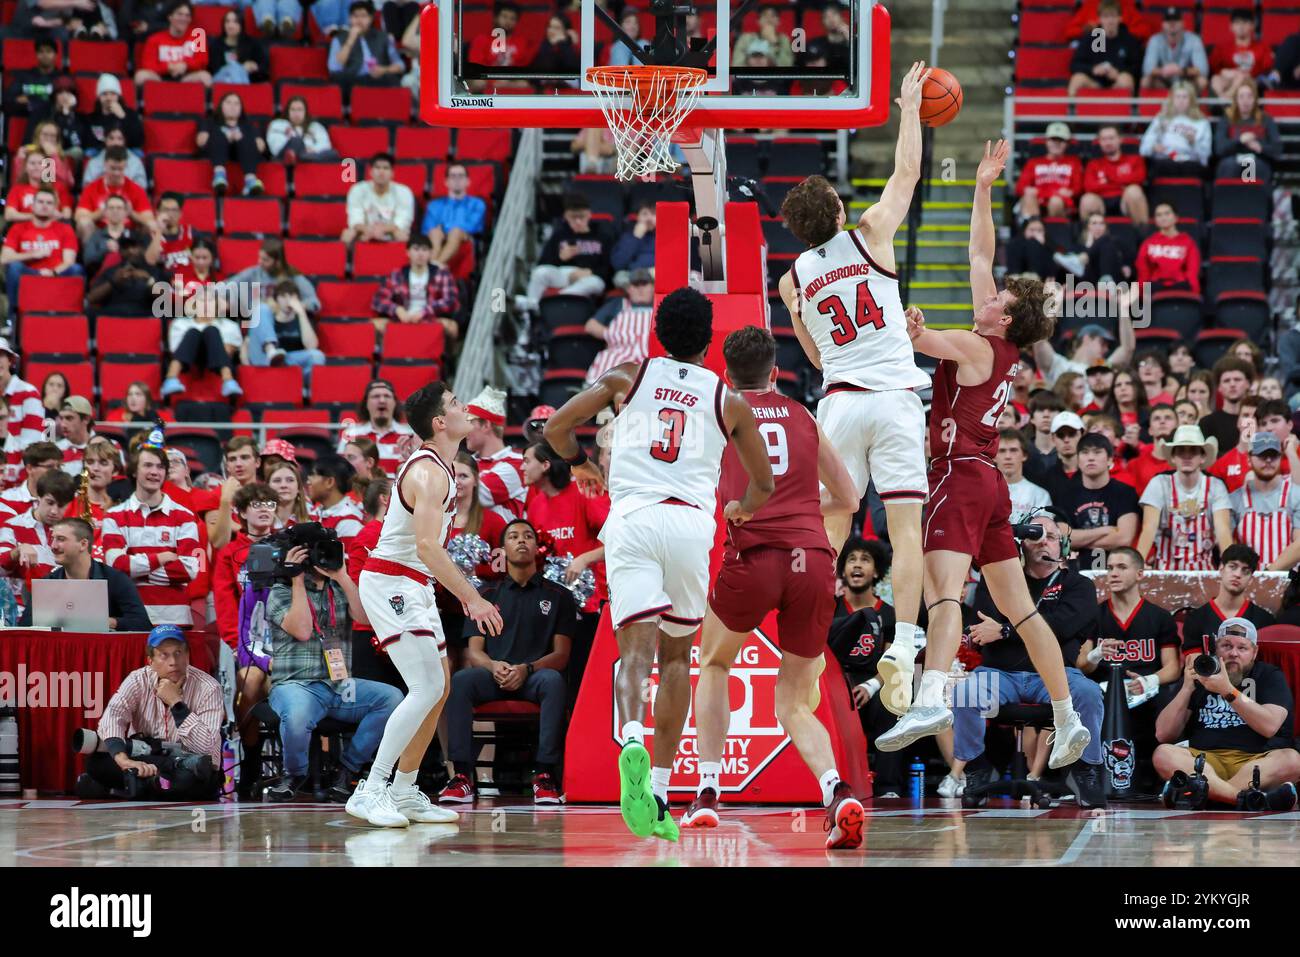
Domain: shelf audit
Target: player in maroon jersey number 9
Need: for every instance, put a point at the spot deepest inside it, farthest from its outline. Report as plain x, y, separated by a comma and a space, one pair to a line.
970, 505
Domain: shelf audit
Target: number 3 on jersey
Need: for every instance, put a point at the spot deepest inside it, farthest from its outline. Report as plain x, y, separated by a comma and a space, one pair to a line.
669, 445
865, 313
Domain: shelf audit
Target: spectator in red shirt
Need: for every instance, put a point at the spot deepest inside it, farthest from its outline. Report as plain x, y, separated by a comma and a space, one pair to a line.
1232, 64
174, 54
43, 247
1245, 136
47, 141
18, 204
170, 239
242, 464
501, 46
1156, 378
90, 207
1112, 182
1054, 180
1169, 259
1233, 464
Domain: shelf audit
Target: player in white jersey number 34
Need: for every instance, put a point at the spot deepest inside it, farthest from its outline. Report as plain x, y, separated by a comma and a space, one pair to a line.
674, 420
397, 593
844, 302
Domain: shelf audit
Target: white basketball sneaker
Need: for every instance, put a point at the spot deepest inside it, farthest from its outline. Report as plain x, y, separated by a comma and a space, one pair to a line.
1068, 742
375, 808
415, 806
917, 723
895, 670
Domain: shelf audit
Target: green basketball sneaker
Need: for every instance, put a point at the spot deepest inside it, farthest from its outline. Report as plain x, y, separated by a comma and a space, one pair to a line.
665, 826
635, 799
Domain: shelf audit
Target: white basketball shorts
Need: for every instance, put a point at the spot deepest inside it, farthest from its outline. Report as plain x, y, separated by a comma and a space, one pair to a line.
881, 438
398, 606
657, 561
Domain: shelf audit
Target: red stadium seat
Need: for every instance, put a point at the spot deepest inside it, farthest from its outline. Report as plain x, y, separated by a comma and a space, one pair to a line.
1022, 101
361, 141
1150, 105
97, 56
380, 103
38, 294
116, 374
81, 375
237, 254
423, 142
415, 177
320, 180
200, 214
342, 384
420, 340
346, 300
164, 96
1216, 26
1113, 103
1279, 24
1042, 63
324, 102
495, 145
56, 335
376, 260
170, 136
258, 98
209, 19
1044, 26
407, 378
16, 135
347, 340
182, 176
260, 216
20, 54
299, 63
317, 257
117, 336
275, 180
311, 217
281, 385
86, 98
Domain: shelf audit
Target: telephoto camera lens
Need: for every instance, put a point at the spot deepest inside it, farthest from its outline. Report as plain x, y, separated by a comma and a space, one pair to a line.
1207, 666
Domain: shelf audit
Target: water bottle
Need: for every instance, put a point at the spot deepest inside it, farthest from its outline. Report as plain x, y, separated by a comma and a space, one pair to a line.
9, 786
230, 770
916, 780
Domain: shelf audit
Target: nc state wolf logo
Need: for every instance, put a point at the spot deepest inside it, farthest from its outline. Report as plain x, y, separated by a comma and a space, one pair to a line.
865, 646
681, 373
398, 603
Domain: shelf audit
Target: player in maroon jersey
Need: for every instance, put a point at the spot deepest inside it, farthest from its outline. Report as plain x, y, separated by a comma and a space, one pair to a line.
970, 505
779, 560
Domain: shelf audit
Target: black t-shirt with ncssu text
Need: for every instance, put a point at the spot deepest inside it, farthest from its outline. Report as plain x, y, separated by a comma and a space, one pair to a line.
1214, 725
1096, 508
1148, 629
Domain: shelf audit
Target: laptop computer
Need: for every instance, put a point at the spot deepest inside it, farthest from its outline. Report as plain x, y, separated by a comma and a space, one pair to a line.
70, 605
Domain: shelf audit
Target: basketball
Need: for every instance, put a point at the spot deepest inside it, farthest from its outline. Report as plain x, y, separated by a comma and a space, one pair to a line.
940, 98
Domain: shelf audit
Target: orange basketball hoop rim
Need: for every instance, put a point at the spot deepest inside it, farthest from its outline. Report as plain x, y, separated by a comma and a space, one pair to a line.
644, 106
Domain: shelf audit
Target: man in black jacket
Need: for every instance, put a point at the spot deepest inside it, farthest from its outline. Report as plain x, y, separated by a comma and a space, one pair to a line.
575, 260
71, 541
27, 93
1111, 59
1068, 603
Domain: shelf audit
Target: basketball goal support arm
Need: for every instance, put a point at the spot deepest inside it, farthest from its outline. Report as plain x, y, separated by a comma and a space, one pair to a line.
707, 159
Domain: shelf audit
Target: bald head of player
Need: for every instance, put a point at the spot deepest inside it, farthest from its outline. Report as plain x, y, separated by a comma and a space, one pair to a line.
1018, 313
813, 211
750, 354
684, 324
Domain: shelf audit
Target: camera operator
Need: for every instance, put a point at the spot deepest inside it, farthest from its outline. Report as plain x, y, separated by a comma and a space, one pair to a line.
1239, 718
1068, 603
171, 703
311, 619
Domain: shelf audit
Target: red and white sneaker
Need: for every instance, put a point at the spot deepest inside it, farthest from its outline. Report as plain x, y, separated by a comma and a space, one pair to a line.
844, 820
460, 790
545, 790
703, 811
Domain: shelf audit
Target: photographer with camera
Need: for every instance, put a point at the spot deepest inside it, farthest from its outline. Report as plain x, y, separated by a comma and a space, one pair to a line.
162, 725
1236, 711
1067, 602
311, 608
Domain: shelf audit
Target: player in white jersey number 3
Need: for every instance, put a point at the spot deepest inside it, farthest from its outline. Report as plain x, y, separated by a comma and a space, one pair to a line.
844, 302
397, 593
674, 420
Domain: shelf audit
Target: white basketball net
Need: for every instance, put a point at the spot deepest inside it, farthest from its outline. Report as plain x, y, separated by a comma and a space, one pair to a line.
644, 108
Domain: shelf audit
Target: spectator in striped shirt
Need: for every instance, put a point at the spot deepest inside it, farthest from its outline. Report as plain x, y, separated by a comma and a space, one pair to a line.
10, 445
25, 539
172, 702
26, 413
71, 542
328, 482
382, 422
154, 540
75, 418
500, 468
37, 459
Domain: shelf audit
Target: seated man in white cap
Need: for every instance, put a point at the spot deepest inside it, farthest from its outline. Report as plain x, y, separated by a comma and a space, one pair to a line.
111, 112
500, 467
1050, 185
1186, 513
1237, 713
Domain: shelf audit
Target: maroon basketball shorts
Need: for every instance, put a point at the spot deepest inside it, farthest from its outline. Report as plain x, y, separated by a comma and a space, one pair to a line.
969, 511
799, 584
